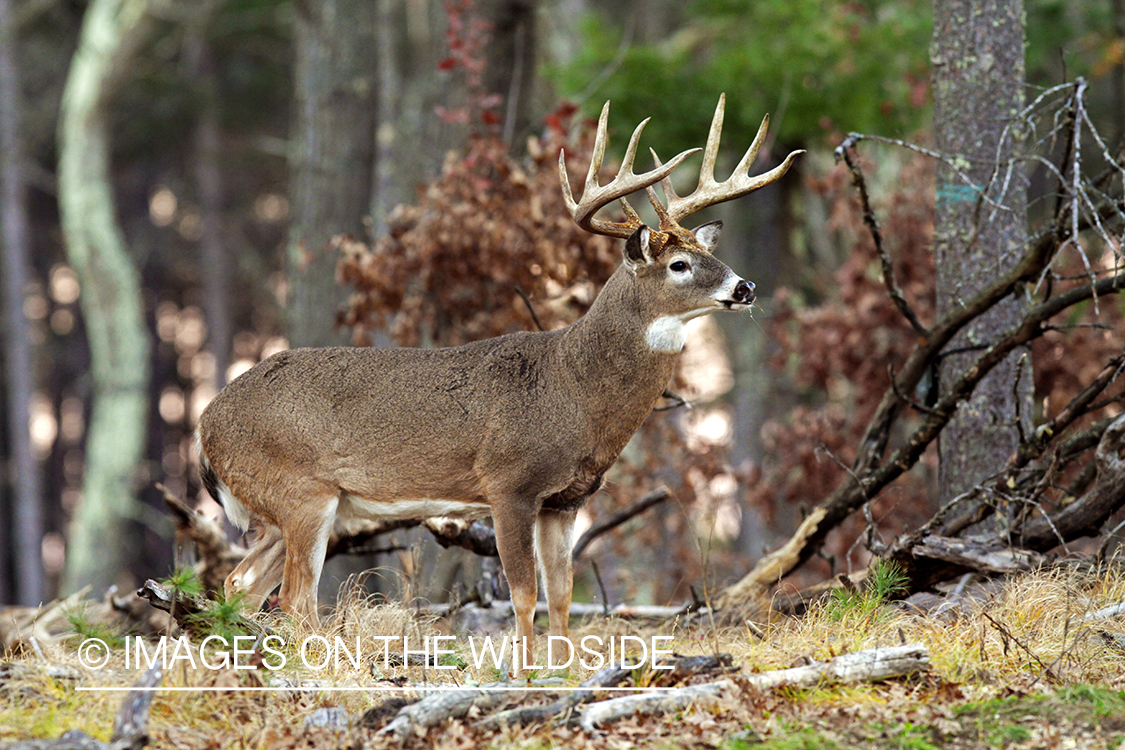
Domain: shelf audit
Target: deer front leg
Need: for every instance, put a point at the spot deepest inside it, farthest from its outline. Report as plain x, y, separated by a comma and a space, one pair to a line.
553, 548
306, 543
260, 571
515, 541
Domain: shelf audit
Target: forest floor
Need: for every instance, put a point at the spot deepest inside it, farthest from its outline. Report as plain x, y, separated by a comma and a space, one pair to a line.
1023, 666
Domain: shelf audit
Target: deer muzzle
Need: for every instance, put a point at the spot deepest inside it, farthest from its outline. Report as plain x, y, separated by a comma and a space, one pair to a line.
743, 292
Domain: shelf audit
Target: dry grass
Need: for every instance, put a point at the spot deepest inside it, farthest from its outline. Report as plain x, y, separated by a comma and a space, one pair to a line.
1029, 637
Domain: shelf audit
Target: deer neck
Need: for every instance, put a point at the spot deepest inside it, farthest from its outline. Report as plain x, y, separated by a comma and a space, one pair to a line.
616, 376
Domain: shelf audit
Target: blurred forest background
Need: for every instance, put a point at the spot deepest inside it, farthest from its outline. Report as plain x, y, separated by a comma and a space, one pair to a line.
192, 185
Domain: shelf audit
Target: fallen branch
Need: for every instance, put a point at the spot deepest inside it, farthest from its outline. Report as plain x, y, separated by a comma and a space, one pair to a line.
603, 712
635, 508
218, 557
189, 610
1087, 514
862, 666
562, 710
442, 706
983, 557
869, 477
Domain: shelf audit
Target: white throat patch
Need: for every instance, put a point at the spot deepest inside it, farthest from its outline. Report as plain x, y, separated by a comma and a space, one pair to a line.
668, 333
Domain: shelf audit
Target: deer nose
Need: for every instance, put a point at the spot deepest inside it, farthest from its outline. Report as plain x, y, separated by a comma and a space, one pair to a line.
744, 292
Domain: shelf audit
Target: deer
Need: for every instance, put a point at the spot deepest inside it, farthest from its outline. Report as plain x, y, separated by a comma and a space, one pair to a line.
522, 427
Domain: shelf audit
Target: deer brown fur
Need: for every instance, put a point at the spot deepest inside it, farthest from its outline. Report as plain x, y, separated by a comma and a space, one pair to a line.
520, 427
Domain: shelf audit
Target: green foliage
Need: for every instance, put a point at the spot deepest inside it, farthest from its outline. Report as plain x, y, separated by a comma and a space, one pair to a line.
886, 580
1103, 702
821, 68
85, 628
223, 619
914, 737
184, 580
801, 738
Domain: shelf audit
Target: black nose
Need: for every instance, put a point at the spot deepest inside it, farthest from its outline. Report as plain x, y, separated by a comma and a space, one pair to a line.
744, 292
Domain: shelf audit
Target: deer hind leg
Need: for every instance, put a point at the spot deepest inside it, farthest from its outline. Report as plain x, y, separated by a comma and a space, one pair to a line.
306, 542
260, 571
515, 541
553, 549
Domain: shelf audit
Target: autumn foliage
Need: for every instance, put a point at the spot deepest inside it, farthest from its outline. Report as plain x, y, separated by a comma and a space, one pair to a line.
453, 266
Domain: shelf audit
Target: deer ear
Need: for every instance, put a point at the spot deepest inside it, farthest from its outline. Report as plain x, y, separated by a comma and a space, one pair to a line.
637, 249
708, 234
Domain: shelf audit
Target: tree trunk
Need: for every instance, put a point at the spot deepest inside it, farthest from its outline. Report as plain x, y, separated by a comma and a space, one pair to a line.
27, 498
332, 157
216, 268
978, 78
510, 72
111, 298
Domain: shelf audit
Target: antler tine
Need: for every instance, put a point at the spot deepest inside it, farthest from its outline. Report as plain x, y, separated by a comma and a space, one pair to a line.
740, 183
594, 196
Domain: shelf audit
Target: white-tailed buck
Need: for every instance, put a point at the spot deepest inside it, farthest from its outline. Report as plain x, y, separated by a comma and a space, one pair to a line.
520, 427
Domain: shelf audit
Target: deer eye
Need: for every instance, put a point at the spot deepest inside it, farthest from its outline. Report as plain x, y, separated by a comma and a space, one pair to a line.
679, 266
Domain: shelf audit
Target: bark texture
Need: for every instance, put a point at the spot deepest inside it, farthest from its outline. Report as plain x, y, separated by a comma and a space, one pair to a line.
978, 78
332, 156
26, 498
111, 298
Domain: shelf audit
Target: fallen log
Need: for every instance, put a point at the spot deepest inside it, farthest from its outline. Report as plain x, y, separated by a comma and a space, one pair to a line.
442, 706
524, 715
862, 666
563, 709
603, 712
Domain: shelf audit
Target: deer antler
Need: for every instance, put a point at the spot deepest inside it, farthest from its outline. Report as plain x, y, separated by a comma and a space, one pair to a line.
709, 191
595, 196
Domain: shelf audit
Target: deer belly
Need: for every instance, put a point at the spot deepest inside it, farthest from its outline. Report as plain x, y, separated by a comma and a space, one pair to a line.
406, 509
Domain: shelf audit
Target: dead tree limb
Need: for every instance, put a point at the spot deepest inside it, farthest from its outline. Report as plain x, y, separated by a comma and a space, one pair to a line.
635, 508
864, 482
1087, 514
862, 666
1036, 445
598, 714
894, 291
443, 706
562, 710
190, 610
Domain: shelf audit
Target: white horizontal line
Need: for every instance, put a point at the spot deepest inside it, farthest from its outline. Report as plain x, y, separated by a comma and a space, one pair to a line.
340, 689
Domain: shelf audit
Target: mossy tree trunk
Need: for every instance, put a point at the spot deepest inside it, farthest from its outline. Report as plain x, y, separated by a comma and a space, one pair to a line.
978, 80
111, 295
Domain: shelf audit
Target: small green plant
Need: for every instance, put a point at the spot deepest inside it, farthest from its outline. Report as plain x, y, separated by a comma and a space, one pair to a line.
1103, 702
85, 628
795, 739
913, 737
184, 580
886, 580
223, 618
1006, 735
